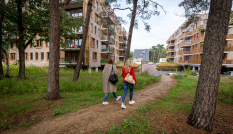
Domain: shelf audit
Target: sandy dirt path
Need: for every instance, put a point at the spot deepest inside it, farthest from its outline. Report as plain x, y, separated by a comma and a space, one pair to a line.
99, 117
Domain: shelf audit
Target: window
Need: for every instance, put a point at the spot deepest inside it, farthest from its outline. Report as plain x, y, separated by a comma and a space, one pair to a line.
47, 55
197, 57
194, 57
95, 29
91, 27
12, 57
31, 45
31, 56
205, 21
96, 17
11, 44
94, 56
197, 35
91, 14
202, 33
47, 44
42, 56
97, 45
38, 44
25, 56
36, 56
143, 52
92, 42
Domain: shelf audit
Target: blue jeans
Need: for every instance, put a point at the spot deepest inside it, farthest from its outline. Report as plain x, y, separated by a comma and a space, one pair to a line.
106, 96
126, 86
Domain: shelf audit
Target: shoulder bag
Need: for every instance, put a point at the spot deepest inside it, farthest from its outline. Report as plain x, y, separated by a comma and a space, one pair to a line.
113, 77
129, 78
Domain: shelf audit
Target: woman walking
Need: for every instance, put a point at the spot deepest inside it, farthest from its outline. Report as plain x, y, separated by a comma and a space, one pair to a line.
128, 69
109, 87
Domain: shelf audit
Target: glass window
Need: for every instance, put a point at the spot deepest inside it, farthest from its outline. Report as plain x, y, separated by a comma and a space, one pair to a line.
47, 44
75, 13
42, 56
80, 12
76, 43
31, 56
76, 57
36, 56
80, 42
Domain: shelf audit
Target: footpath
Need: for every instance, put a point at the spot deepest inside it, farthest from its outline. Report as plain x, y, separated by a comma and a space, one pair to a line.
99, 117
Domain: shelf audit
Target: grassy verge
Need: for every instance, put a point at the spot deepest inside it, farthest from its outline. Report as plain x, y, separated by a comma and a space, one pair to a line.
22, 101
169, 114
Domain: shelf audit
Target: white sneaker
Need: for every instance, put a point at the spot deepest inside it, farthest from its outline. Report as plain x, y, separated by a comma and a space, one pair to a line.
131, 102
123, 106
118, 98
105, 103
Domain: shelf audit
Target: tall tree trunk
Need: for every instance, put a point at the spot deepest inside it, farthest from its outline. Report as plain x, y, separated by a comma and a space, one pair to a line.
7, 64
204, 105
54, 51
1, 20
135, 2
21, 42
84, 38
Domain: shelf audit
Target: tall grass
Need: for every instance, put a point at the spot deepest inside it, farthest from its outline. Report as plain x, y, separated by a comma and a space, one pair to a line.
29, 70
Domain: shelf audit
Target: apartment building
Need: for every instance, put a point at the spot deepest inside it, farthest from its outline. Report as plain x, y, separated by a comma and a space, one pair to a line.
103, 39
185, 46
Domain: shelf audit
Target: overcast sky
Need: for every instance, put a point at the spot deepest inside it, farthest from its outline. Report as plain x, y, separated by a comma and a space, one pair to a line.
162, 26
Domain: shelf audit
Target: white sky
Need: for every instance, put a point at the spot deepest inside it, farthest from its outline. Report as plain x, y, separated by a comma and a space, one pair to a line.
162, 26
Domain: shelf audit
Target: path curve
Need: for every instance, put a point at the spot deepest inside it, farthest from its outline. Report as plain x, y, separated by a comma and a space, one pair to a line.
99, 117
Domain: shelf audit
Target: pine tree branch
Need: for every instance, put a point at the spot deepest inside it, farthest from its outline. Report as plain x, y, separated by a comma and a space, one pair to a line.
159, 5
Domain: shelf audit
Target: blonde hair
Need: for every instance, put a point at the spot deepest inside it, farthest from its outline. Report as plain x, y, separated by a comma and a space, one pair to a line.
128, 65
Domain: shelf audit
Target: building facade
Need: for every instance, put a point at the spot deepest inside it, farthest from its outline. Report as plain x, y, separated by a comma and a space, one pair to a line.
140, 55
103, 39
185, 46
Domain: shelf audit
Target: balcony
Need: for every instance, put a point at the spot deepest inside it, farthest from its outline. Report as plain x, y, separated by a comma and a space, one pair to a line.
107, 40
185, 34
227, 62
199, 39
228, 49
170, 56
170, 50
229, 37
122, 41
189, 61
71, 47
171, 44
184, 52
197, 51
185, 43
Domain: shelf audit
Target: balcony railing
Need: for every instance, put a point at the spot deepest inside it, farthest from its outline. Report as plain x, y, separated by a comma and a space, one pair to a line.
170, 50
187, 42
184, 52
190, 61
169, 56
171, 44
227, 62
228, 49
185, 34
199, 39
108, 39
229, 36
197, 51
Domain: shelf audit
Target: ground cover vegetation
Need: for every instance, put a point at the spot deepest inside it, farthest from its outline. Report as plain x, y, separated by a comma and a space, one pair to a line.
22, 101
170, 114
